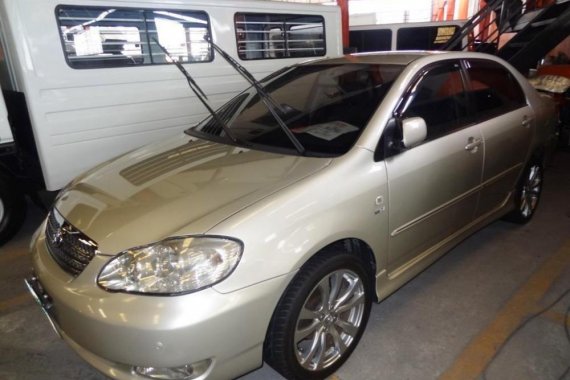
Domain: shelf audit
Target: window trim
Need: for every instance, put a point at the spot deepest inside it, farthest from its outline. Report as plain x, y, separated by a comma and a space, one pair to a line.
237, 41
381, 153
482, 118
144, 10
464, 80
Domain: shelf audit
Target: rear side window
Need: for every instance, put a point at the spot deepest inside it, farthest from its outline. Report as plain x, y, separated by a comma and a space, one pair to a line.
267, 36
439, 98
493, 89
96, 37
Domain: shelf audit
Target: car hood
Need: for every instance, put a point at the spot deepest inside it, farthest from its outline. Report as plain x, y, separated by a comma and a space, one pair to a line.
177, 187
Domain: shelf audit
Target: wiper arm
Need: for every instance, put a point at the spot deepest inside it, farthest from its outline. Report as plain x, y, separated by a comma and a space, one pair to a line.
198, 92
271, 105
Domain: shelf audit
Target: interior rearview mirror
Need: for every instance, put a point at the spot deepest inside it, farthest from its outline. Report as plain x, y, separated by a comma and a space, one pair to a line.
414, 131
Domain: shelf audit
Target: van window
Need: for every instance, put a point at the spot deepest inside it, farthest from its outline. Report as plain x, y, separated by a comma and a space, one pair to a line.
425, 37
493, 89
95, 37
183, 34
266, 36
371, 40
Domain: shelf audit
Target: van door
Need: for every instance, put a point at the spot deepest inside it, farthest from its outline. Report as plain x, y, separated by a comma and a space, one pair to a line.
6, 82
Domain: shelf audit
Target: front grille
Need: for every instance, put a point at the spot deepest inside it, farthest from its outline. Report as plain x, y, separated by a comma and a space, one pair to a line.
69, 247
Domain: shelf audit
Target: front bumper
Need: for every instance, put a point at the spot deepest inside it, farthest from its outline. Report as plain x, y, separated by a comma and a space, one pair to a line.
116, 331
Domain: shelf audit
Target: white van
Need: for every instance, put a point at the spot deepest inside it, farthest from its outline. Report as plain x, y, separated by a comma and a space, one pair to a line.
431, 35
85, 80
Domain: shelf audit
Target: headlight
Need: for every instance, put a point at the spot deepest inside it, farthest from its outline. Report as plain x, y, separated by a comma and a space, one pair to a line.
172, 266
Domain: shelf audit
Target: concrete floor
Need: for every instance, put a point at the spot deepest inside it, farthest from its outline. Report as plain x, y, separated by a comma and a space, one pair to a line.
471, 315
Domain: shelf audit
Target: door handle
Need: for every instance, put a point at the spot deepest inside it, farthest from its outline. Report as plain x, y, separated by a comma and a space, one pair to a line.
526, 121
473, 144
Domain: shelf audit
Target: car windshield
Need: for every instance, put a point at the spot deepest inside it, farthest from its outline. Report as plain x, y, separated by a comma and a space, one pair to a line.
326, 107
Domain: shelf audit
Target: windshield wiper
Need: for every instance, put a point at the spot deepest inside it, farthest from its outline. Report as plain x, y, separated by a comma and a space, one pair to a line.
198, 92
271, 105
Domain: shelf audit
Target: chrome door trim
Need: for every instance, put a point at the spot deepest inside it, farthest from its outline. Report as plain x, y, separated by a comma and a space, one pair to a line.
411, 263
434, 211
502, 174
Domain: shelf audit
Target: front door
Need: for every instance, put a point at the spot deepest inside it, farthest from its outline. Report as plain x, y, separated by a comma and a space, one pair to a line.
433, 187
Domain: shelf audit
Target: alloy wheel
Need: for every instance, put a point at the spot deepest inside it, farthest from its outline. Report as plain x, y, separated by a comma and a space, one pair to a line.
531, 191
329, 320
1, 209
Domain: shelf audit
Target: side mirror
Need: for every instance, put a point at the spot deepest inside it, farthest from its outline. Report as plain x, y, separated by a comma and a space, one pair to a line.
414, 131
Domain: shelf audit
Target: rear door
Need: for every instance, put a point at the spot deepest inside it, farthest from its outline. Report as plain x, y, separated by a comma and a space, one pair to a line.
433, 187
506, 121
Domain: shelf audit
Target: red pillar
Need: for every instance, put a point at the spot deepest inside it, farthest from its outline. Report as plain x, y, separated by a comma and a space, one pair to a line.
437, 10
343, 4
450, 10
463, 9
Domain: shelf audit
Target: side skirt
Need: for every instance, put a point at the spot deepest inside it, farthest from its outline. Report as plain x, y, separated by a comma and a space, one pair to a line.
388, 282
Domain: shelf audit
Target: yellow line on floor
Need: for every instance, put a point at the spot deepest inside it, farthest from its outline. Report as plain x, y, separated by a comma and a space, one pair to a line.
471, 363
15, 301
555, 316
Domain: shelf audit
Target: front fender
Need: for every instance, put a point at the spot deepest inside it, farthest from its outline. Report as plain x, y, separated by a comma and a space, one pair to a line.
281, 232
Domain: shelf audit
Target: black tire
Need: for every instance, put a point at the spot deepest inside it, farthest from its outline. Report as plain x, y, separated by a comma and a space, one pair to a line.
13, 208
527, 194
282, 350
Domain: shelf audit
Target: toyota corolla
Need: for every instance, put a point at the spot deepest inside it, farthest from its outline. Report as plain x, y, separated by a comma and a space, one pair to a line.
265, 232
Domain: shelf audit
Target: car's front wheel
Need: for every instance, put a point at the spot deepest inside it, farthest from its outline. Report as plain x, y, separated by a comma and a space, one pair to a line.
527, 194
320, 318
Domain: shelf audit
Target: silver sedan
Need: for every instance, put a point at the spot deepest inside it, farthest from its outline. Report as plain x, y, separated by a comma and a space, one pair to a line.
266, 231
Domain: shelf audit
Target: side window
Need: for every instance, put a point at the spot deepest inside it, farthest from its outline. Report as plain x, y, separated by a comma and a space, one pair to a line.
96, 37
102, 37
183, 34
424, 37
371, 40
492, 89
440, 99
267, 36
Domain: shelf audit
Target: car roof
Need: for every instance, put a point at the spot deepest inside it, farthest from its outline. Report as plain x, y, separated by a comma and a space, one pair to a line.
385, 57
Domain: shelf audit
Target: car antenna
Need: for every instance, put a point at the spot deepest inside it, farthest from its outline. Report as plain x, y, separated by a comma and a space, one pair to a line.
197, 91
265, 97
